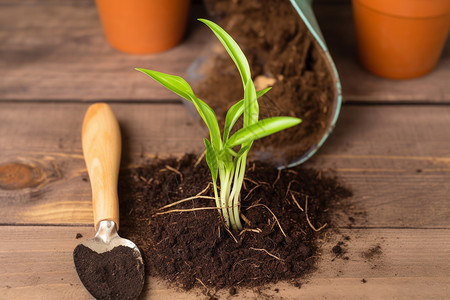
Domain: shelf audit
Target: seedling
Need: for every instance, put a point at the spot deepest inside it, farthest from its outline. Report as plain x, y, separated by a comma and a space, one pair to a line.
226, 155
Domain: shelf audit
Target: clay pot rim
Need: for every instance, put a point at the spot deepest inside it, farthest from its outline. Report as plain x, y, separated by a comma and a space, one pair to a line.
418, 9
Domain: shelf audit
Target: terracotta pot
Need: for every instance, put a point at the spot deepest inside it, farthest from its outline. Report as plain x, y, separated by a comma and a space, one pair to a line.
143, 26
400, 38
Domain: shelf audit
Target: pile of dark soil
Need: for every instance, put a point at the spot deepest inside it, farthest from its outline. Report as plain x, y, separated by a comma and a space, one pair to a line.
283, 54
194, 248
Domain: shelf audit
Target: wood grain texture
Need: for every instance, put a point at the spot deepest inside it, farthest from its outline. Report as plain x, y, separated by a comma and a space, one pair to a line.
37, 262
47, 137
336, 23
396, 159
57, 50
61, 54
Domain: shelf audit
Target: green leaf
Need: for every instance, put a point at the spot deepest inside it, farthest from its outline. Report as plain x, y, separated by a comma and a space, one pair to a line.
244, 149
233, 50
174, 83
180, 87
251, 108
235, 111
261, 129
230, 152
211, 160
233, 114
209, 117
261, 93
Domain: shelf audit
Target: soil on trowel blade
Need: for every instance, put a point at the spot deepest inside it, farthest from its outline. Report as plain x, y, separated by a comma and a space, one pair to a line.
194, 248
111, 275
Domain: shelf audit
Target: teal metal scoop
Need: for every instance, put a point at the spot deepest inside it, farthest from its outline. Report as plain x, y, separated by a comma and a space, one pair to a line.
304, 10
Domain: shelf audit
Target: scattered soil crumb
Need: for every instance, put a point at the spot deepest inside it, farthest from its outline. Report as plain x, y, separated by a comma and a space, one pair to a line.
233, 291
373, 252
339, 251
78, 236
352, 222
277, 290
363, 280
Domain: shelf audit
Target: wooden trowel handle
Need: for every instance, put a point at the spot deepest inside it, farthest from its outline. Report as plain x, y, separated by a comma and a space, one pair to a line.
102, 149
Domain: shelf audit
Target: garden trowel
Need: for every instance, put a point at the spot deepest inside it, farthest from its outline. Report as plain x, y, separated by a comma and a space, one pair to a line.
109, 266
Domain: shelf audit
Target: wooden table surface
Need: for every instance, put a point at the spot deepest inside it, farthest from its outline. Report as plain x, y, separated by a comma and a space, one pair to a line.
391, 147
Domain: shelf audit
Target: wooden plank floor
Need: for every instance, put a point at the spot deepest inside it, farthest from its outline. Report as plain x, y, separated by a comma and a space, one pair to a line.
391, 147
33, 51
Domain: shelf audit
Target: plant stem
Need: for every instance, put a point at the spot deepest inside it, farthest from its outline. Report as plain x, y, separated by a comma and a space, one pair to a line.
216, 196
225, 175
236, 192
238, 183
